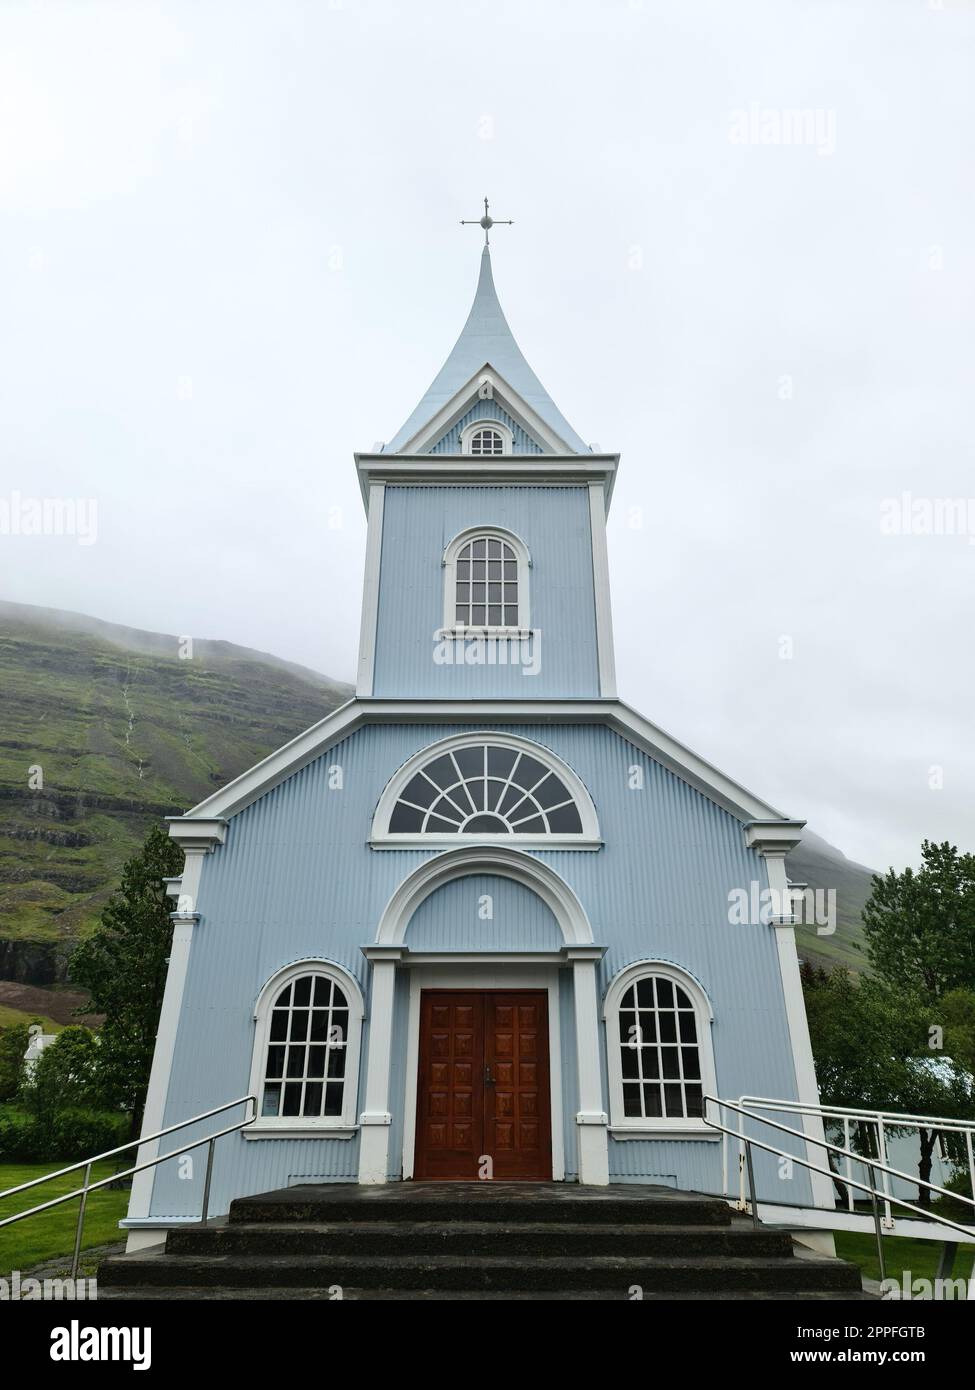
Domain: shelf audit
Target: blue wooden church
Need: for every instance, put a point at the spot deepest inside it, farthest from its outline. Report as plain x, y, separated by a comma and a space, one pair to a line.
475, 923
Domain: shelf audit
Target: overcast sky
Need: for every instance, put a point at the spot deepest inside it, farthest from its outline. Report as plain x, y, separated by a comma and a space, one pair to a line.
230, 256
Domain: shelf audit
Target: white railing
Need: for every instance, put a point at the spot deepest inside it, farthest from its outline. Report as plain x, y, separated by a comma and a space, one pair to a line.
88, 1163
876, 1189
881, 1125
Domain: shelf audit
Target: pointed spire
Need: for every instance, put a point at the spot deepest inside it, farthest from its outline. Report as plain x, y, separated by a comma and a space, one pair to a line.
487, 341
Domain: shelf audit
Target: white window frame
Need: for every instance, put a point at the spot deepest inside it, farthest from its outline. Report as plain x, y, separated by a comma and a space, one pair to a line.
451, 628
623, 1126
383, 838
468, 432
300, 1126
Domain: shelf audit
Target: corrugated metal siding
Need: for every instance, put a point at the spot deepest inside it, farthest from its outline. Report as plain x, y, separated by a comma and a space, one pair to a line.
520, 921
418, 522
523, 443
296, 879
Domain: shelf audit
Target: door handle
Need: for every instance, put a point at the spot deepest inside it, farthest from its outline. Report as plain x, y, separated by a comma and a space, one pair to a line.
488, 1078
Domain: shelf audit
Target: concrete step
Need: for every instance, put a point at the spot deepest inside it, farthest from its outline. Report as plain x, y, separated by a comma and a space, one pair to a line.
575, 1239
444, 1273
509, 1203
207, 1293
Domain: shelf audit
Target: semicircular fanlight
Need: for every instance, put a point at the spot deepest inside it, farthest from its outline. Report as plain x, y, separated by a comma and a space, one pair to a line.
485, 789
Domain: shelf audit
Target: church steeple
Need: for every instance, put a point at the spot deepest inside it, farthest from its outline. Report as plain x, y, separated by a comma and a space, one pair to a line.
487, 343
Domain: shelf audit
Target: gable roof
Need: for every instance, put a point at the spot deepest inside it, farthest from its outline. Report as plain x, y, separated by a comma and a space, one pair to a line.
345, 720
486, 341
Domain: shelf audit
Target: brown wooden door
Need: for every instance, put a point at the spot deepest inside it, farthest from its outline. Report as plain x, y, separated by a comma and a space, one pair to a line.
483, 1086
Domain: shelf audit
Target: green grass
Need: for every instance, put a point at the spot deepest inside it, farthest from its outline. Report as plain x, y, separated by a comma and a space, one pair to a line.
10, 1018
900, 1252
51, 1234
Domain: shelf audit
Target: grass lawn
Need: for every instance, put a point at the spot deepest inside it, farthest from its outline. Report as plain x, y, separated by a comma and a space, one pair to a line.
900, 1252
51, 1233
10, 1018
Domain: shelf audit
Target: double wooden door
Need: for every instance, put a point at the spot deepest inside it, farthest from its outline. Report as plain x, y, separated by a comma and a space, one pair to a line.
483, 1093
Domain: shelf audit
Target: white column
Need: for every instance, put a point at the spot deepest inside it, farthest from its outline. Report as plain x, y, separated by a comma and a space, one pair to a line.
369, 620
375, 1119
807, 1088
600, 577
591, 1120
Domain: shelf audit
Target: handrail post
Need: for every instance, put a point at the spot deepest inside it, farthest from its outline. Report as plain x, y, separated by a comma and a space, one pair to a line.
206, 1182
882, 1155
751, 1181
81, 1221
849, 1163
876, 1222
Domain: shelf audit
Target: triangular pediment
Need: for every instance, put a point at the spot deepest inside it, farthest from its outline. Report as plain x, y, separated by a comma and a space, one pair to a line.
486, 396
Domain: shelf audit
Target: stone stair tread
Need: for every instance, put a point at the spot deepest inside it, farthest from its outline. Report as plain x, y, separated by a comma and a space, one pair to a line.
150, 1259
404, 1229
186, 1293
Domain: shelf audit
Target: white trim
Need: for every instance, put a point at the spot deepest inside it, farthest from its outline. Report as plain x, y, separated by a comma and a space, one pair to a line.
375, 1118
290, 1126
450, 556
487, 859
530, 470
614, 714
600, 579
153, 1118
467, 396
468, 432
807, 1087
369, 619
381, 836
591, 1119
493, 976
665, 1127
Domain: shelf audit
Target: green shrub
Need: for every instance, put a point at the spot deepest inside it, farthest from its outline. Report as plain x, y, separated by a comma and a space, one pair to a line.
64, 1137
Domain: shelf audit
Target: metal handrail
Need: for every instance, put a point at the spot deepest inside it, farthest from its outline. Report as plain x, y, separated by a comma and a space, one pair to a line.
882, 1121
88, 1163
967, 1231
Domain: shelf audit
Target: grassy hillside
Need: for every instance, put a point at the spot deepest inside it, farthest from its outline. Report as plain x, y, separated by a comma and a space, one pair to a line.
125, 732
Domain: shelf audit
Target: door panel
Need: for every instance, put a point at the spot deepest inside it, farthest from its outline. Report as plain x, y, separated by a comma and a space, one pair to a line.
483, 1085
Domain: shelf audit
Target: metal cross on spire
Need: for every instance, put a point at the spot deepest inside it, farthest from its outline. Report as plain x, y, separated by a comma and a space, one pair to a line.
487, 222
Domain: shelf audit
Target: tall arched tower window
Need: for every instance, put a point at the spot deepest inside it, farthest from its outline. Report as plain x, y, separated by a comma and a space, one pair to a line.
486, 582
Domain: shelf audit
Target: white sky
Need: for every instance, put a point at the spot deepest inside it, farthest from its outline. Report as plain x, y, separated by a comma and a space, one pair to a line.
259, 203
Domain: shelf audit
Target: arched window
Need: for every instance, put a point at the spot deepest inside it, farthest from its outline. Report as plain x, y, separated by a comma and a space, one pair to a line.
486, 582
658, 1038
486, 440
306, 1050
492, 786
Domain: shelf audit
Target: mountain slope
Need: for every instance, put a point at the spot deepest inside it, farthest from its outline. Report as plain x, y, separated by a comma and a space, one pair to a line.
821, 865
123, 732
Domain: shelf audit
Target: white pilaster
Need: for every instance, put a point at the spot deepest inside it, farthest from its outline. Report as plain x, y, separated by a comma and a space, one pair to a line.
153, 1119
370, 590
591, 1120
376, 1119
807, 1088
600, 576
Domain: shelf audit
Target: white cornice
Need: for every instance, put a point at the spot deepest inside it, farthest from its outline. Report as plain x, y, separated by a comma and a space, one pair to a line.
436, 470
773, 836
204, 821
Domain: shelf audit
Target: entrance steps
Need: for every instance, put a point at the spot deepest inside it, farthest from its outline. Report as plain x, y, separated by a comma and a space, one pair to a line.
477, 1240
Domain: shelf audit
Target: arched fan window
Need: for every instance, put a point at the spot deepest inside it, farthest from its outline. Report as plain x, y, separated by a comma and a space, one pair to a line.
492, 788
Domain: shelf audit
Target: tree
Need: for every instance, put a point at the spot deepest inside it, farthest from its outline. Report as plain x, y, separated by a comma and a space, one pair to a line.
958, 1013
870, 1041
66, 1076
123, 966
13, 1045
920, 927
